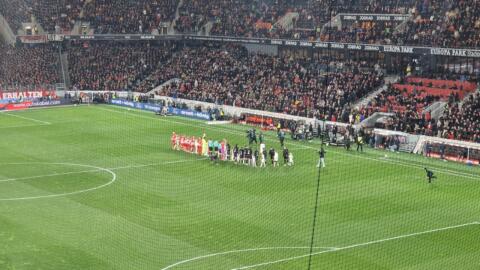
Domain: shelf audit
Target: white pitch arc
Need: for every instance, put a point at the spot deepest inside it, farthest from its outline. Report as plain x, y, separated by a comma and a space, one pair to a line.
114, 178
237, 251
355, 246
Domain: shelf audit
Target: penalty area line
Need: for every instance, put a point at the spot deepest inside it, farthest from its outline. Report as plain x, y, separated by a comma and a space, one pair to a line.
357, 245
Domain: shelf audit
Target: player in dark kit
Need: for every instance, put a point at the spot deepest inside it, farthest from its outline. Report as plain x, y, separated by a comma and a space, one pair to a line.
285, 156
281, 137
271, 153
252, 136
235, 153
430, 175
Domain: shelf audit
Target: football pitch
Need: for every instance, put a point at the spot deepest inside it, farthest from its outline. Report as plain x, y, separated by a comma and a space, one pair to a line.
98, 187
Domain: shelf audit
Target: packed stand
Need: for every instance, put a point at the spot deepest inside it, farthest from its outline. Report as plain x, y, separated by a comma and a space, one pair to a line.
113, 67
408, 99
232, 17
233, 77
461, 121
15, 13
407, 108
129, 17
450, 24
194, 14
56, 13
28, 67
249, 19
315, 14
361, 32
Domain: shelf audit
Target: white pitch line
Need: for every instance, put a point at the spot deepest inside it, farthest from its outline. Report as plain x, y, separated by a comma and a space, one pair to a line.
114, 178
445, 171
97, 169
237, 251
219, 129
48, 175
357, 245
93, 170
28, 118
21, 126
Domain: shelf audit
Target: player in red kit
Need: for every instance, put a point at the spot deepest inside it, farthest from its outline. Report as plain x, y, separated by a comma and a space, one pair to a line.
174, 140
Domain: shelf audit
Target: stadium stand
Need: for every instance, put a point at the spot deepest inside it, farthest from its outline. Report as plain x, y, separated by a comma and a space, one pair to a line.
297, 87
25, 67
232, 17
462, 122
53, 13
125, 16
112, 67
315, 14
450, 24
408, 99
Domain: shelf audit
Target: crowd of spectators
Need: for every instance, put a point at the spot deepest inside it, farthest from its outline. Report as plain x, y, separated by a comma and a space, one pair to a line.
361, 32
408, 108
26, 67
113, 67
126, 16
461, 121
447, 23
450, 24
56, 15
251, 19
231, 76
248, 18
313, 15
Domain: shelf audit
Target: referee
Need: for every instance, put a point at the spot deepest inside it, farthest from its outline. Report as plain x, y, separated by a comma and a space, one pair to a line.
321, 161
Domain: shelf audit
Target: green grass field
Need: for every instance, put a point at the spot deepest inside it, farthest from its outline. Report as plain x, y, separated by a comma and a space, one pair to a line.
98, 187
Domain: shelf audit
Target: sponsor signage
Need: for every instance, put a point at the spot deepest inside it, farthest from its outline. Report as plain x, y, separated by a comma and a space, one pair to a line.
158, 108
46, 103
16, 106
298, 43
374, 17
24, 94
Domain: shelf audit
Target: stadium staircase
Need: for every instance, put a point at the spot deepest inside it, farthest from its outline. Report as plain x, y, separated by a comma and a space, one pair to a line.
6, 31
364, 102
408, 147
468, 96
286, 22
171, 29
374, 118
208, 28
436, 109
64, 74
158, 88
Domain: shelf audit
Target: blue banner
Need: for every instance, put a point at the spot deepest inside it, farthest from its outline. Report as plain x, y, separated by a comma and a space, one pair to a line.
158, 108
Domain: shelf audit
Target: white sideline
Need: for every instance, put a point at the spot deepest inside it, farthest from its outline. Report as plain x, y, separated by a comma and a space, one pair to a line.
357, 245
217, 128
236, 251
28, 118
